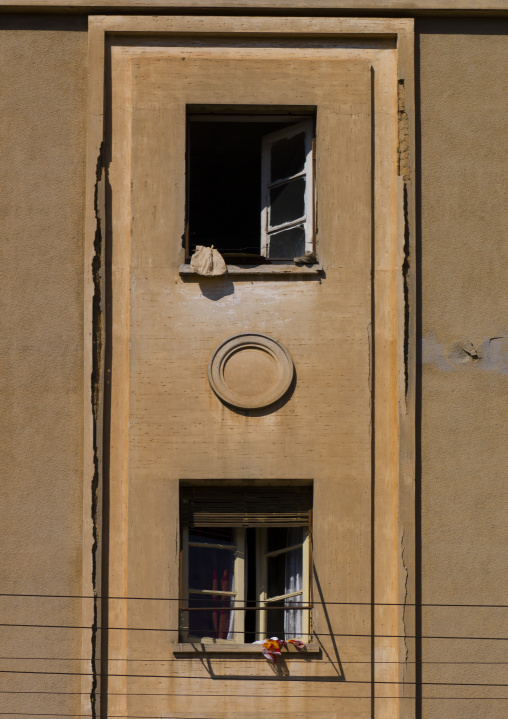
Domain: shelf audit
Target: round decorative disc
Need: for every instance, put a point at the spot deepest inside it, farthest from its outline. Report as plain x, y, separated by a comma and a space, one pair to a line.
250, 370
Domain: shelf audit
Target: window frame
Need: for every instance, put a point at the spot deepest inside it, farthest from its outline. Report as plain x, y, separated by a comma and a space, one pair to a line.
307, 126
240, 574
304, 119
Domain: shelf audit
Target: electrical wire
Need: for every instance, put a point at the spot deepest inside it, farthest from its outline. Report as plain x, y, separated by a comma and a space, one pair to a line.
316, 602
315, 634
202, 678
232, 659
242, 660
299, 696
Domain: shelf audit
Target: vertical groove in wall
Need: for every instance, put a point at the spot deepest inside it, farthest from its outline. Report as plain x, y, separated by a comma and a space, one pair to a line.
372, 382
406, 270
404, 171
97, 380
418, 651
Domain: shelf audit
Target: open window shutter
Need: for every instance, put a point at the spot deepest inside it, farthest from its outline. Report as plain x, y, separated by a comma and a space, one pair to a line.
246, 507
287, 192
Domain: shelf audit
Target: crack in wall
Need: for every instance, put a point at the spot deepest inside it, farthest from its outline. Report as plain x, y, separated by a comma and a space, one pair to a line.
97, 391
404, 601
404, 171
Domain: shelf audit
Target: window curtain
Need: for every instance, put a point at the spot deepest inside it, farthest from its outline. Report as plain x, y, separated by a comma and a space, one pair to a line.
293, 582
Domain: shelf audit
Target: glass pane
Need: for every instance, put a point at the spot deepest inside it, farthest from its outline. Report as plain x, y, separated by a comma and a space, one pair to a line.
287, 244
293, 619
285, 573
216, 621
211, 569
285, 624
280, 537
287, 157
287, 202
210, 535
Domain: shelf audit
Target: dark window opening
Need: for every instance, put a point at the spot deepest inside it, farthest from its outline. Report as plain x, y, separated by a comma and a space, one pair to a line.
250, 586
249, 187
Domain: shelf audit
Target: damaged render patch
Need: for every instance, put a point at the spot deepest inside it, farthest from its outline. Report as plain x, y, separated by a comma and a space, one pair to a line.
491, 355
495, 354
404, 169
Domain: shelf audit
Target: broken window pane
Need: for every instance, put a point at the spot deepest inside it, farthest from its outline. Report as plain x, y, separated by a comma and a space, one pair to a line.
287, 243
287, 157
287, 202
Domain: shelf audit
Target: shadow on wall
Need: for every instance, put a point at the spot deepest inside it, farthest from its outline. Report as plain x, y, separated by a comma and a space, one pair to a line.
216, 288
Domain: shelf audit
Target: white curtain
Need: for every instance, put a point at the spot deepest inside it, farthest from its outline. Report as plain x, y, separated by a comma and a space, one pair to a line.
293, 583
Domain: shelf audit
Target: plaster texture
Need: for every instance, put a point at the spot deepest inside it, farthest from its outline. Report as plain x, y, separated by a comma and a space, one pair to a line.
464, 380
42, 135
461, 515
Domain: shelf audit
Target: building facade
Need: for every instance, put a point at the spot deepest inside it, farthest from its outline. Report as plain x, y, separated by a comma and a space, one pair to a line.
309, 446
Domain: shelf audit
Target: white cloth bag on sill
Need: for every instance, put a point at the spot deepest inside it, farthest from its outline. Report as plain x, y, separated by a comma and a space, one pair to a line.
207, 261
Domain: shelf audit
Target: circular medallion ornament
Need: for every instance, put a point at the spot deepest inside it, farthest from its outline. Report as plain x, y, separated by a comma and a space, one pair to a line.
250, 370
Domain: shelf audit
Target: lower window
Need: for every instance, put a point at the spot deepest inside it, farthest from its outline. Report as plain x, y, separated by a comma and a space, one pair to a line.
245, 564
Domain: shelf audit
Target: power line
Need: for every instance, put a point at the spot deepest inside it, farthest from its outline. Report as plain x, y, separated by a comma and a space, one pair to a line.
206, 678
331, 603
261, 696
315, 634
231, 659
252, 696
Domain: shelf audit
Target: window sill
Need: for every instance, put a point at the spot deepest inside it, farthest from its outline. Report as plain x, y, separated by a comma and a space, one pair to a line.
260, 270
212, 648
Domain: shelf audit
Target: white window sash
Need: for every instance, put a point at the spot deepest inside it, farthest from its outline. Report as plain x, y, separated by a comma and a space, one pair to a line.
307, 220
262, 584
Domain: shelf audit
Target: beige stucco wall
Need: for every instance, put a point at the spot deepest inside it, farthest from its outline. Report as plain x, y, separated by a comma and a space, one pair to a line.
464, 296
42, 135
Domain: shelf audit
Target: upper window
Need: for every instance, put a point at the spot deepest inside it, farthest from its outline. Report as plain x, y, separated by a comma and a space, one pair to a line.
250, 188
245, 563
